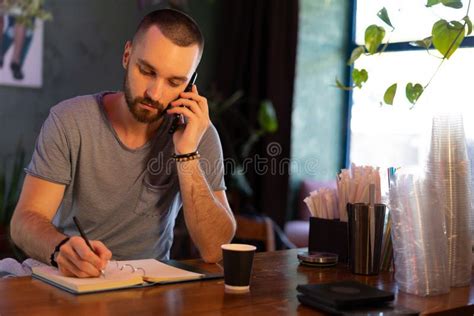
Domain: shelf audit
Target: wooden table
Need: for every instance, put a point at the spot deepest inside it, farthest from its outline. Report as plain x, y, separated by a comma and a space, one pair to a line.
273, 292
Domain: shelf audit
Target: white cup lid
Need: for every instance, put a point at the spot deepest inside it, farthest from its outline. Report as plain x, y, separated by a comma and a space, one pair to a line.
238, 247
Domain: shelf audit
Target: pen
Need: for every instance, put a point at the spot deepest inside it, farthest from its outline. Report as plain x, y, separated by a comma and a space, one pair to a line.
83, 235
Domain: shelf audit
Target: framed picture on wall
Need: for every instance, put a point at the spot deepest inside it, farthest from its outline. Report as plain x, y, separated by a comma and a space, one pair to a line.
21, 52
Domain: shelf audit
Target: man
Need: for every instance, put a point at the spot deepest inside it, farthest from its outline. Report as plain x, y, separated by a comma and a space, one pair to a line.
109, 160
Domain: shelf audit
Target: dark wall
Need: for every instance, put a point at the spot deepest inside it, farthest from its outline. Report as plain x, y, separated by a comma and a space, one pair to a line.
83, 46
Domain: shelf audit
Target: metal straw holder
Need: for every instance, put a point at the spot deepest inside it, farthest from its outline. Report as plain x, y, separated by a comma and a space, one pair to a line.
365, 230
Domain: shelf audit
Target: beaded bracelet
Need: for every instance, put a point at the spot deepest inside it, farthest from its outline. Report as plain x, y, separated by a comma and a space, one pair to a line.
186, 157
56, 250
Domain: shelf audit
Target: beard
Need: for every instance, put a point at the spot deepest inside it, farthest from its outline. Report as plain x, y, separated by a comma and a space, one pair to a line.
140, 114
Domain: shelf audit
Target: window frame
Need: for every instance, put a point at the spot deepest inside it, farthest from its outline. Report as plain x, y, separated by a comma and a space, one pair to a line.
468, 42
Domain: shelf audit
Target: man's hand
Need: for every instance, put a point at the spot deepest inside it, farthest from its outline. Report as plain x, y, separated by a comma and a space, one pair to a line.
76, 259
194, 107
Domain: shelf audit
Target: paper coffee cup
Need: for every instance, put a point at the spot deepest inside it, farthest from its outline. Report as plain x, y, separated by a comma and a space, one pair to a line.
238, 261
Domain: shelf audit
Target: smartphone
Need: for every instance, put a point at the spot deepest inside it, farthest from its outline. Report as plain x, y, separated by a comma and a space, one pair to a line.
178, 118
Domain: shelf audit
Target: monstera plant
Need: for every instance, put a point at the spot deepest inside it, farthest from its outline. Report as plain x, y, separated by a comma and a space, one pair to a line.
238, 145
446, 37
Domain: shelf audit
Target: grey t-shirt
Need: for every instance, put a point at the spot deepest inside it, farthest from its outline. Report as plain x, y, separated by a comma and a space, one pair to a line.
126, 198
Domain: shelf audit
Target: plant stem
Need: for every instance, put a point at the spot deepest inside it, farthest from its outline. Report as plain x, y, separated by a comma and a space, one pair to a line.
434, 74
449, 50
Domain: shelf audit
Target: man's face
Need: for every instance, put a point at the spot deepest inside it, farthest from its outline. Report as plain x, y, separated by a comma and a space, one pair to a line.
157, 71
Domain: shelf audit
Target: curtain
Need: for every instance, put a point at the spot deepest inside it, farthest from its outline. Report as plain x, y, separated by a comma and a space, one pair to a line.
257, 54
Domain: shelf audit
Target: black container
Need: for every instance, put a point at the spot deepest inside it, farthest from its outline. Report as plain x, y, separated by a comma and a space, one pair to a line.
327, 235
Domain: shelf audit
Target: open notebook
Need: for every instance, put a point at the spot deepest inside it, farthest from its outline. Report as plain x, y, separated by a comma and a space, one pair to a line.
119, 274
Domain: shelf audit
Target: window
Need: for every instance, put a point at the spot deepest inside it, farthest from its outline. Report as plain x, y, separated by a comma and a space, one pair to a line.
397, 135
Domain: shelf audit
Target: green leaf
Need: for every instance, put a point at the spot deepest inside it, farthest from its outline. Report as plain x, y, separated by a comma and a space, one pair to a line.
359, 77
456, 25
267, 117
383, 15
447, 36
456, 4
356, 53
425, 43
390, 94
373, 38
468, 24
413, 92
341, 86
432, 2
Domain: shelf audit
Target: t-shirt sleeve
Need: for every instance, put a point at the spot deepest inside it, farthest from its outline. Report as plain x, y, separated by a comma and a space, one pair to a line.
51, 158
212, 162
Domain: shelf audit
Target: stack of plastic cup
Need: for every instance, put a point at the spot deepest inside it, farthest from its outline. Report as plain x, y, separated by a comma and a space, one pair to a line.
448, 168
418, 235
470, 155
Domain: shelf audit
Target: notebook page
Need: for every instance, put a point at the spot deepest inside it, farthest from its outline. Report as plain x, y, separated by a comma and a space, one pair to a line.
113, 278
156, 271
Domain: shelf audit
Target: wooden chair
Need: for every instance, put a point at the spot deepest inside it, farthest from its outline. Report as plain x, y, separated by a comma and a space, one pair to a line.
256, 228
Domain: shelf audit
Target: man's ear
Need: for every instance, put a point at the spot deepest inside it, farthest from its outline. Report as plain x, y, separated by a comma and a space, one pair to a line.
126, 54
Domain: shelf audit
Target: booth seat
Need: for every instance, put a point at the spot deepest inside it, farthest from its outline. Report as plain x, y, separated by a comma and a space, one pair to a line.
297, 230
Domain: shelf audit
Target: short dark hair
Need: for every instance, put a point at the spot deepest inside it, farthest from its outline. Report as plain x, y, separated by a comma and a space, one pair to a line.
175, 25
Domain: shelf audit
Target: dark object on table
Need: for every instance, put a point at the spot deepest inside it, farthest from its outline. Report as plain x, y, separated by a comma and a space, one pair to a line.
327, 235
385, 309
317, 259
350, 298
366, 231
345, 294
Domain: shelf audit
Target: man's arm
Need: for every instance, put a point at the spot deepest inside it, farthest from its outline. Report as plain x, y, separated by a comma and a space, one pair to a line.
33, 232
207, 214
31, 227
